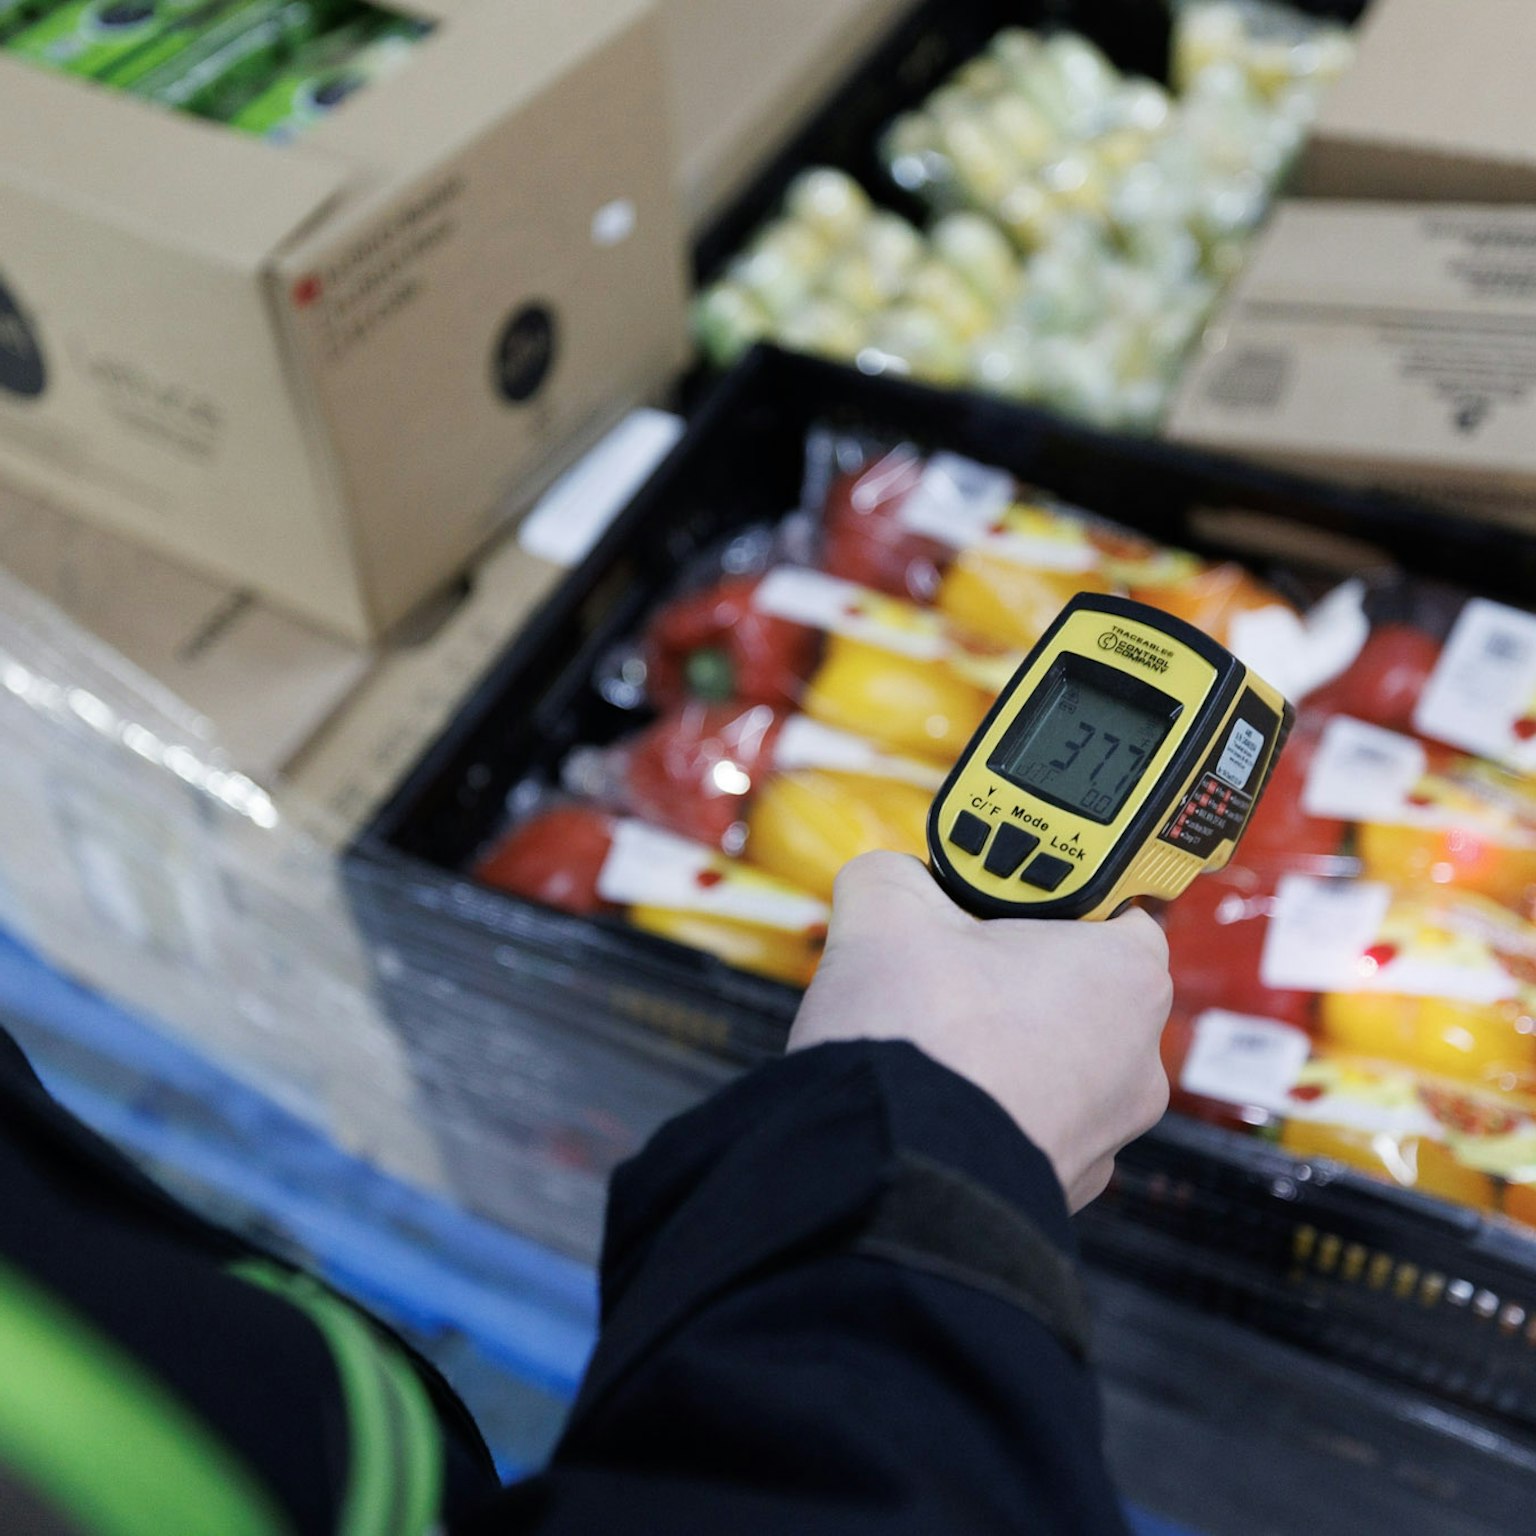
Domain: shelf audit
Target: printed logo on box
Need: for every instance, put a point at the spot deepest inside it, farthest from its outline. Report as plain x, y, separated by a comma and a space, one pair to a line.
23, 370
525, 353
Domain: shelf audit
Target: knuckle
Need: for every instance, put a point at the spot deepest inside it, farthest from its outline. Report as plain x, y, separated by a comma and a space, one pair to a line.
857, 875
1142, 929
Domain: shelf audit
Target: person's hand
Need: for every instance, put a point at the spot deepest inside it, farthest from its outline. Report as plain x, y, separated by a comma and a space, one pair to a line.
1058, 1021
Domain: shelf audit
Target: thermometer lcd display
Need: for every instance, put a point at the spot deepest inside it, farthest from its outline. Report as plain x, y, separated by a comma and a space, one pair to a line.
1086, 738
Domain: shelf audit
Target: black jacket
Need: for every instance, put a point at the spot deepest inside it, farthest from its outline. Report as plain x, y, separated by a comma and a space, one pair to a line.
838, 1297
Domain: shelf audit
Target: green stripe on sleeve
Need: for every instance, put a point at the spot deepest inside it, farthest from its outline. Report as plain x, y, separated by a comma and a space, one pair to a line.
95, 1435
396, 1479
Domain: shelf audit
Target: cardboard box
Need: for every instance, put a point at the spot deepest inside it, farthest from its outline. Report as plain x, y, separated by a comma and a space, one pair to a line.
1436, 107
744, 76
319, 369
328, 723
1384, 344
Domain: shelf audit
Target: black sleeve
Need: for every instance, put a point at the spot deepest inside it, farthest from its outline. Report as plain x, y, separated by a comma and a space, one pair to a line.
247, 1347
840, 1297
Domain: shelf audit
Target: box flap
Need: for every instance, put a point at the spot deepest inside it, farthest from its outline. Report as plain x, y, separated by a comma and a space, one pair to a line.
357, 761
1437, 78
166, 175
475, 70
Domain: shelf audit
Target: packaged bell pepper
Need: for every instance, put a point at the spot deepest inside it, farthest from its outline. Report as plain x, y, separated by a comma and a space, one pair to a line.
786, 793
999, 560
845, 655
586, 862
1413, 764
1408, 1127
1425, 814
1441, 980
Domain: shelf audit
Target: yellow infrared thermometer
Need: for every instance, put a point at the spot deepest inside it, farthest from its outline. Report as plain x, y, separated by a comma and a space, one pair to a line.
1124, 759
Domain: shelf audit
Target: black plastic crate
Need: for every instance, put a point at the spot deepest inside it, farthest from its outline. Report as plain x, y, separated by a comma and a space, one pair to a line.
1405, 1287
1395, 1284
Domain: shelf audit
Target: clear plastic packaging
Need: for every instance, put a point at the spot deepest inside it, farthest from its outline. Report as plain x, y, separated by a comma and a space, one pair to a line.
1083, 222
138, 858
790, 716
1383, 903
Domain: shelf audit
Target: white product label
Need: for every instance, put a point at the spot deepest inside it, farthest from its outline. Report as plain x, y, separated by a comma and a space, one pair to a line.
807, 743
1319, 932
1482, 693
1242, 1059
1385, 1105
1335, 936
956, 500
1297, 655
1363, 773
1240, 754
649, 867
844, 608
577, 510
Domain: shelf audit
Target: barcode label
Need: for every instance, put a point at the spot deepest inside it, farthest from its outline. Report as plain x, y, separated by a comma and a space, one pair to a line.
1254, 378
1242, 1059
1362, 773
1482, 693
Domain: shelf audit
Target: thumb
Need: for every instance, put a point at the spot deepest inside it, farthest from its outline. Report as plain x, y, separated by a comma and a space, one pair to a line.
878, 892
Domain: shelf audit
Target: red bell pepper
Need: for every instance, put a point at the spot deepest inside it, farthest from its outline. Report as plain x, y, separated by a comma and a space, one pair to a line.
865, 540
555, 857
715, 645
695, 769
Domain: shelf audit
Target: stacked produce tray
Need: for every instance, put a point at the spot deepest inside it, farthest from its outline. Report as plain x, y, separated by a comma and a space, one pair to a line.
1403, 1286
918, 55
916, 66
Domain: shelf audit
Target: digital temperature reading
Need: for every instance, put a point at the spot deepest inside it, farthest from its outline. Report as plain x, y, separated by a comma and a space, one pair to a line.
1125, 757
1085, 740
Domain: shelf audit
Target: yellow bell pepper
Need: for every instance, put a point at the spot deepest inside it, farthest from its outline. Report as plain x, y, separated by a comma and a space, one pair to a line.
804, 826
1413, 1162
771, 952
1468, 858
919, 706
1210, 598
1002, 602
1477, 1043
